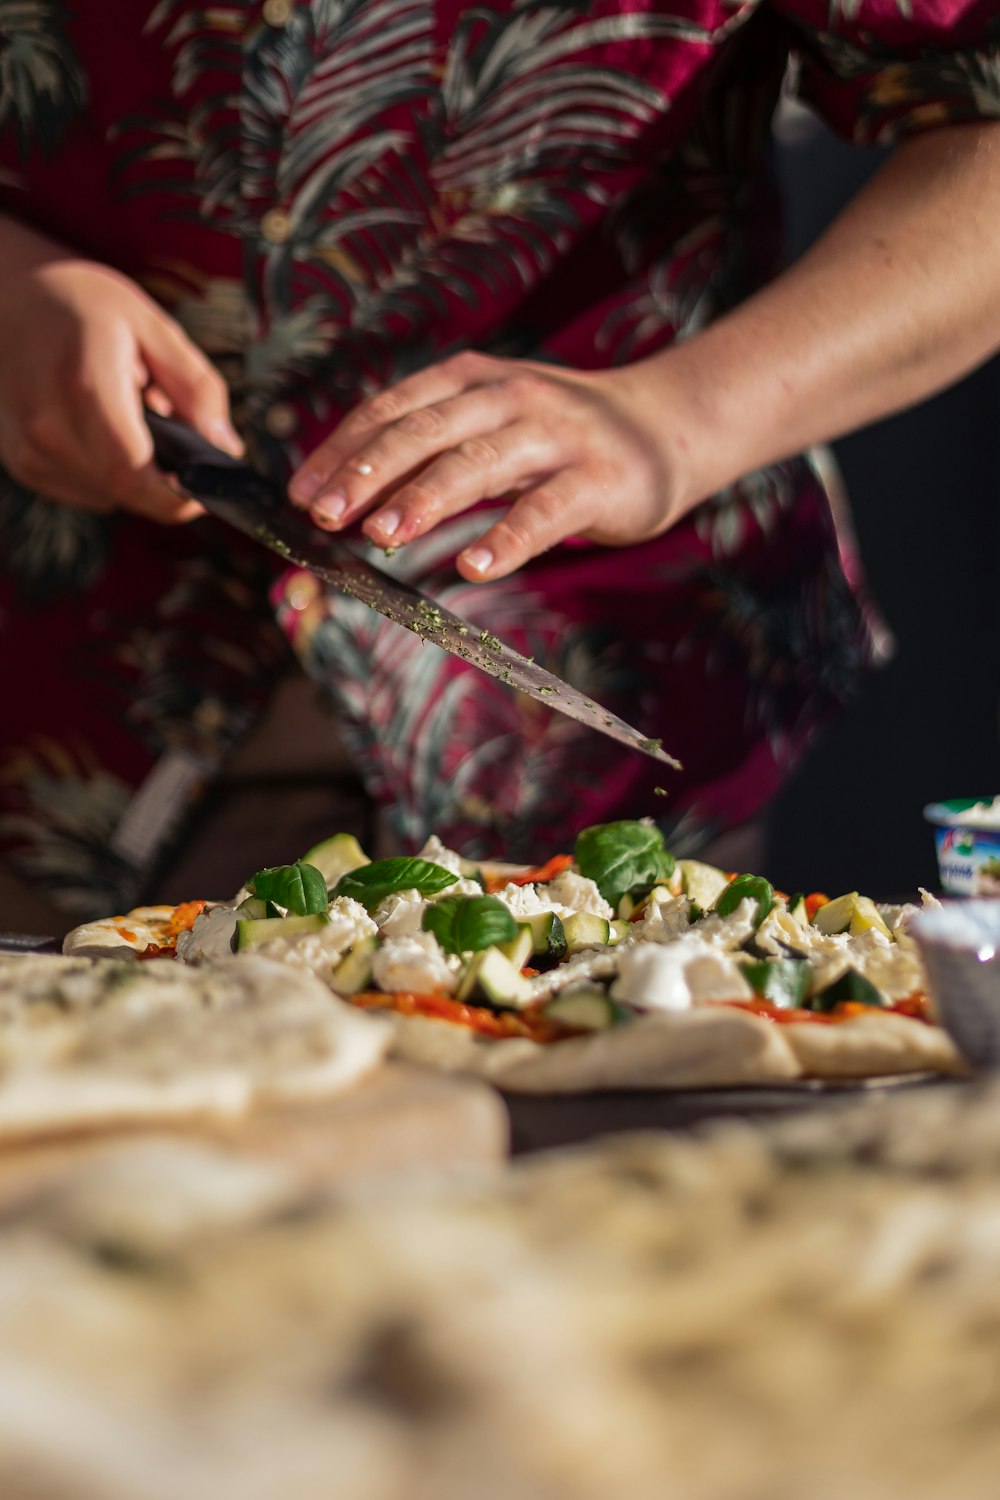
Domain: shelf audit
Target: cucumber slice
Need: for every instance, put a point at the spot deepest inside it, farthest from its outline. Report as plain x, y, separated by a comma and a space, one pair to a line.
703, 883
518, 949
585, 1009
548, 940
499, 982
250, 932
354, 972
850, 986
584, 930
783, 981
835, 916
336, 856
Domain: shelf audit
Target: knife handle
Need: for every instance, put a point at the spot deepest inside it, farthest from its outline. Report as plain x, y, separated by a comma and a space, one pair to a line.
175, 445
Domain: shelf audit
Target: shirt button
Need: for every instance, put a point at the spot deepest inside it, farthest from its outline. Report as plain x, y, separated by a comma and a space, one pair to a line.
281, 420
276, 226
277, 12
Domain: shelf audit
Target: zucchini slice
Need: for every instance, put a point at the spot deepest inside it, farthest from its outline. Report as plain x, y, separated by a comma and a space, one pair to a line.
585, 1009
251, 931
583, 930
336, 856
354, 972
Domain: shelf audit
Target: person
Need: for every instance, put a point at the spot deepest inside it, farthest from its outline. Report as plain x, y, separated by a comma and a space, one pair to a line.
498, 289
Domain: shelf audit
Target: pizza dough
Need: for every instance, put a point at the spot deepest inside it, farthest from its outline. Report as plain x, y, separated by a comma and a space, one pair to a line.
93, 1043
712, 1047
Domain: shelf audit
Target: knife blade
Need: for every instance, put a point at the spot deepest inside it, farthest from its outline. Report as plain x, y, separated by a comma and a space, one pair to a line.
236, 494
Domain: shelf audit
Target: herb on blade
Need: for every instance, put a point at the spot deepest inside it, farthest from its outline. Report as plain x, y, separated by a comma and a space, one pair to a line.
621, 857
370, 884
299, 888
464, 924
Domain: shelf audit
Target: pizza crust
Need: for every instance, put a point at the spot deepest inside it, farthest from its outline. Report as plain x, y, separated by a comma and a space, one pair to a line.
706, 1048
876, 1044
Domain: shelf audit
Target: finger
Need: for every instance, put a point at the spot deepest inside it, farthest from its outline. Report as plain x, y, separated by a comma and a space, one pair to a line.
407, 447
191, 385
479, 468
543, 516
438, 383
116, 434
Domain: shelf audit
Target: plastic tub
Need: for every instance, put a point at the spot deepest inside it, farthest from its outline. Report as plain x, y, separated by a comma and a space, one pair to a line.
967, 836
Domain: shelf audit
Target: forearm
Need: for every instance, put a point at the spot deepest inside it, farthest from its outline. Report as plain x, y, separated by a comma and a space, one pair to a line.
900, 297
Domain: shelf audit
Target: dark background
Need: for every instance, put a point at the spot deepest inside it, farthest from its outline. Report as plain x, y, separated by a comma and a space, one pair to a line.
925, 493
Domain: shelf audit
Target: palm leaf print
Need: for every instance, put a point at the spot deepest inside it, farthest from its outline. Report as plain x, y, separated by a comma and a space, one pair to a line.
42, 88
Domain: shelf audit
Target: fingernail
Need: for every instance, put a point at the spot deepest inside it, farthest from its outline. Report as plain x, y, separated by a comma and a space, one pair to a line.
329, 508
303, 486
227, 438
386, 521
479, 559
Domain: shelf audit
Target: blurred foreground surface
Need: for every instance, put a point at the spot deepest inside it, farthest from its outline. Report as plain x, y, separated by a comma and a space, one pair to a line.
807, 1307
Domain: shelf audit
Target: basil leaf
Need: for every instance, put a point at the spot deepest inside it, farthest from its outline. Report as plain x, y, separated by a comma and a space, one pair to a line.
464, 924
370, 884
299, 888
744, 887
620, 857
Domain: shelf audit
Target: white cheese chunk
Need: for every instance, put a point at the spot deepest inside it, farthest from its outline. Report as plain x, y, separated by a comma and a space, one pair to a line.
211, 936
415, 963
439, 854
400, 914
578, 893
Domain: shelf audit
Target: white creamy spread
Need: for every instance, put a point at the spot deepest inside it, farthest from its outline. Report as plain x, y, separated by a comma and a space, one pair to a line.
677, 975
416, 963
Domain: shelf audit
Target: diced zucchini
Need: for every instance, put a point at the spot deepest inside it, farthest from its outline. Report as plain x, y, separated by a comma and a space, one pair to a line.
584, 930
354, 972
702, 883
250, 932
496, 979
253, 909
783, 981
850, 986
619, 930
336, 856
585, 1009
835, 916
797, 909
867, 915
548, 941
517, 949
629, 905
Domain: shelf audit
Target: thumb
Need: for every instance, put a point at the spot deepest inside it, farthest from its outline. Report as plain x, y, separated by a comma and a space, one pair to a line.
193, 387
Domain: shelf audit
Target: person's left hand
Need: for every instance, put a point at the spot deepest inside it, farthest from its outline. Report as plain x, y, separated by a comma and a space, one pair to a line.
594, 454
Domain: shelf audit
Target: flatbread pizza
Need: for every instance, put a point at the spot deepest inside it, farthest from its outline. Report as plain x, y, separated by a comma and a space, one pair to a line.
614, 967
89, 1043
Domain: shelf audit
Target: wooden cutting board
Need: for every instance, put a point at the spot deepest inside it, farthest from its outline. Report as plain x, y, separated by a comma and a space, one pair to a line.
401, 1118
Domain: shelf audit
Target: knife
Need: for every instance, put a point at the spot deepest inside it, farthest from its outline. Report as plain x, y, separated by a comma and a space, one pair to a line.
235, 493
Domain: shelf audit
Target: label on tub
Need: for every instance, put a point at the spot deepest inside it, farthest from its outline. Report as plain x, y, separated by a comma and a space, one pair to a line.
969, 860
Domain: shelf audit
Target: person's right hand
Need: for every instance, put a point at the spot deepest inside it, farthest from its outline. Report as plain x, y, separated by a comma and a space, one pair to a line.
81, 348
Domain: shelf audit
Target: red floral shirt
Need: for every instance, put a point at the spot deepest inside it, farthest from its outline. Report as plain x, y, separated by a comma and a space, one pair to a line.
331, 193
